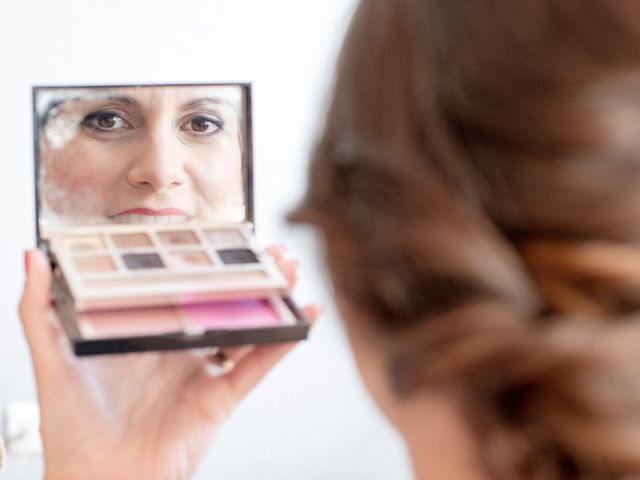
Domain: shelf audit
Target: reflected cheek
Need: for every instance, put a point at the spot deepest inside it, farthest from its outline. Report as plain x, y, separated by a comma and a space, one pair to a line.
217, 178
77, 180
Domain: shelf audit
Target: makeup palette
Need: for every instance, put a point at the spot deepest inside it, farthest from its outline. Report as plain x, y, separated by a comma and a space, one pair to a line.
160, 283
150, 265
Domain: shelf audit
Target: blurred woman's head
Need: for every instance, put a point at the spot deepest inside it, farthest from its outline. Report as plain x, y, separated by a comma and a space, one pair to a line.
477, 186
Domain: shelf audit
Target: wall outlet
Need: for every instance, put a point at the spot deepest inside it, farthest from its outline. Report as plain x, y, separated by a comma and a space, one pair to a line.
22, 429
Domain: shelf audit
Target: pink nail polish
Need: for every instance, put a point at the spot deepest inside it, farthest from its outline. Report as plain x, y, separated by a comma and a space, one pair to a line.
26, 262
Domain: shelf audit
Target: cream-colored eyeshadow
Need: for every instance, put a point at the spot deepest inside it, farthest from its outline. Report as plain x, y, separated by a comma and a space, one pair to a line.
85, 243
94, 264
225, 236
131, 240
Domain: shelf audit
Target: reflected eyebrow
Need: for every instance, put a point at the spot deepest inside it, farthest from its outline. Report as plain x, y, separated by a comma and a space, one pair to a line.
56, 103
113, 98
200, 102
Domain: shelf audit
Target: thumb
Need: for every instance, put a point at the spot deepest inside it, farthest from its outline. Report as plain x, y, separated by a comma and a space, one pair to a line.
36, 313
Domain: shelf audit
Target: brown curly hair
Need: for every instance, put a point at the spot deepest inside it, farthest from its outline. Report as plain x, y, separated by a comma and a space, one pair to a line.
473, 202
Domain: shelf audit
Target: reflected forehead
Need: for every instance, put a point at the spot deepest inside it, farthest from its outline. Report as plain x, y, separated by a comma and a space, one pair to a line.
180, 97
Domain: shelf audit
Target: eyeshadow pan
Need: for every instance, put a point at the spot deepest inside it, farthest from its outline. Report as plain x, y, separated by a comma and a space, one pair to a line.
94, 264
224, 236
232, 314
85, 243
231, 256
179, 237
141, 261
129, 322
190, 259
129, 240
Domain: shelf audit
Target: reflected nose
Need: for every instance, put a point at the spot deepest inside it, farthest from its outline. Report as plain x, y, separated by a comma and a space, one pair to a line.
159, 165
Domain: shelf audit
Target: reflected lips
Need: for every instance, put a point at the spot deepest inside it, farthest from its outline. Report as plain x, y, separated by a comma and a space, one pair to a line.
150, 211
150, 215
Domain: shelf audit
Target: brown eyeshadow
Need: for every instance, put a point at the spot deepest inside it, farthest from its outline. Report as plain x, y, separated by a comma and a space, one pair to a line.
190, 259
178, 237
94, 264
131, 240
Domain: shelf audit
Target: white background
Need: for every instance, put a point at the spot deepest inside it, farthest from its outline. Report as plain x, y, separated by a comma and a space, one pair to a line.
311, 418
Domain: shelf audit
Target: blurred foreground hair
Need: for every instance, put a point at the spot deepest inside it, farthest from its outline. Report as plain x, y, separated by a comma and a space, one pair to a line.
474, 209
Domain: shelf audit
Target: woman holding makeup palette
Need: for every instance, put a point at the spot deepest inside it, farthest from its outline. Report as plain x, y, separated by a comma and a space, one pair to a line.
142, 416
476, 184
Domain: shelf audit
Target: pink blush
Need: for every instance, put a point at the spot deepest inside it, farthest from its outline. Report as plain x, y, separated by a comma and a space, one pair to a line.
133, 322
232, 314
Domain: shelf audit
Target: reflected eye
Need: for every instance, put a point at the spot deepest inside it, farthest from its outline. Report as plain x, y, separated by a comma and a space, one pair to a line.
106, 121
202, 125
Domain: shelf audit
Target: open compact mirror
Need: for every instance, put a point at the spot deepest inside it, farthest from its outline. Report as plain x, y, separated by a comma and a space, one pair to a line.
145, 209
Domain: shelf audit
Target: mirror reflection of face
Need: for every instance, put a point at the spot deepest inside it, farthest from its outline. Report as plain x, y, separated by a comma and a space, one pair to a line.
142, 154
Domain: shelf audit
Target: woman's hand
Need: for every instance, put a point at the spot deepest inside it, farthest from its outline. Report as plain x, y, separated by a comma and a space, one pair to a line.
138, 416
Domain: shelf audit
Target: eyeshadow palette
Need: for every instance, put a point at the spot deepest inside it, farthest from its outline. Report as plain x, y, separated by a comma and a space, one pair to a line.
144, 205
144, 265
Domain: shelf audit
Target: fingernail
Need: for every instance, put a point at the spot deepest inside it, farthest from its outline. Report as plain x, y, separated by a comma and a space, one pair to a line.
26, 262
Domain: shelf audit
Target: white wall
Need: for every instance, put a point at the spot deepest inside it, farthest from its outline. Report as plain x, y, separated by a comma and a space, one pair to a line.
311, 418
